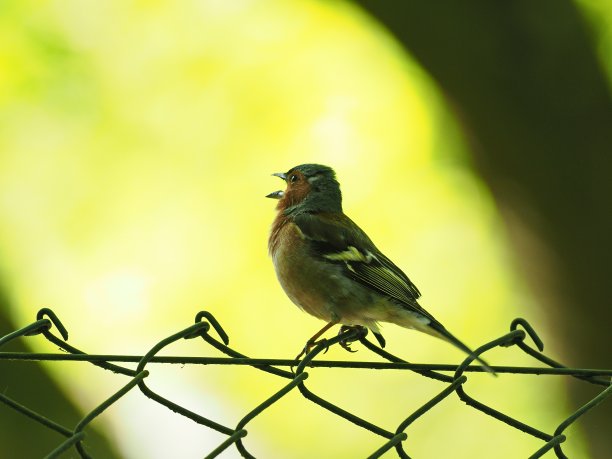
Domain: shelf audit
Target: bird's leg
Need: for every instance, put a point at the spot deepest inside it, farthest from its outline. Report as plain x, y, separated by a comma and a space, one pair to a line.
313, 340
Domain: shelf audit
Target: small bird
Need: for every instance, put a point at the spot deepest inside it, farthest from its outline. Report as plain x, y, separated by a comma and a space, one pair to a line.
331, 269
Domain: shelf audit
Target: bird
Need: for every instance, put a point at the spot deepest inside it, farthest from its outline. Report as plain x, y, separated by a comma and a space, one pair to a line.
330, 268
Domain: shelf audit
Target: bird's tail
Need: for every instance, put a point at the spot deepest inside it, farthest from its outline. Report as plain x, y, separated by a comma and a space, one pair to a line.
443, 333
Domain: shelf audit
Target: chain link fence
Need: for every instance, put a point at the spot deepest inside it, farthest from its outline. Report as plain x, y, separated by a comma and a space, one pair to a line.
296, 375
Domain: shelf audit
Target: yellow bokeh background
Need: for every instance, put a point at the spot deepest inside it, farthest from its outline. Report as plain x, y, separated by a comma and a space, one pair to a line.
137, 142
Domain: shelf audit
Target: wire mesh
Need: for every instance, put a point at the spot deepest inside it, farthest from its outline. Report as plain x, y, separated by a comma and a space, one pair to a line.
205, 323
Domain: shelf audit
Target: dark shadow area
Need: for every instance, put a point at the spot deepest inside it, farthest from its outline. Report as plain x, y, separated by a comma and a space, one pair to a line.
535, 105
29, 384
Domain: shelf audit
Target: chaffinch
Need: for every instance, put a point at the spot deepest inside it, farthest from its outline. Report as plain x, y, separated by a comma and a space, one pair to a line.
331, 269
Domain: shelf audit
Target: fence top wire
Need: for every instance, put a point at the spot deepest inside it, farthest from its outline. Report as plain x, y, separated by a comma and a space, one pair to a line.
296, 374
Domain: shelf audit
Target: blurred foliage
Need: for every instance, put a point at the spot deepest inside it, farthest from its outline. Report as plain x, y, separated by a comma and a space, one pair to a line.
599, 15
137, 141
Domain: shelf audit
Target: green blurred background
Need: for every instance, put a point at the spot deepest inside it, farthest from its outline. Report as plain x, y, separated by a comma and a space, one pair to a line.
137, 141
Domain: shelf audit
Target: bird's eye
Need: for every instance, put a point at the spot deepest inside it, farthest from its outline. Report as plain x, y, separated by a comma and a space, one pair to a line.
293, 178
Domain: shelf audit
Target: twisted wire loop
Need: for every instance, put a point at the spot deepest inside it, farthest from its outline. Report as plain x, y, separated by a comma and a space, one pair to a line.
205, 323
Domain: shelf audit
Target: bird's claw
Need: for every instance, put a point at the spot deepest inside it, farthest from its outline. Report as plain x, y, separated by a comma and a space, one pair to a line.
309, 345
346, 343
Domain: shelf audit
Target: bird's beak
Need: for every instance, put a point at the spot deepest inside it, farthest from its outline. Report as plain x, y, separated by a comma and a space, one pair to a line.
278, 194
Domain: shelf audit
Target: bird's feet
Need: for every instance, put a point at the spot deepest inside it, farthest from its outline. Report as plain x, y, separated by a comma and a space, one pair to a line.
346, 343
309, 345
312, 342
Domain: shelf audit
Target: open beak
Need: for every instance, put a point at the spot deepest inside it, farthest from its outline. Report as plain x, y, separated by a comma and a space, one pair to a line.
278, 194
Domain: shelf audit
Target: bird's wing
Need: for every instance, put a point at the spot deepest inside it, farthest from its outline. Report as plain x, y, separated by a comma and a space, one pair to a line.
337, 239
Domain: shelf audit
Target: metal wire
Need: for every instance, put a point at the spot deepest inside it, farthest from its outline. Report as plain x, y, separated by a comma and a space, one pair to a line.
205, 323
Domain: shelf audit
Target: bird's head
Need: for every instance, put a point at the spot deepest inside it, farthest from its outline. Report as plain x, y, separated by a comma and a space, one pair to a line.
310, 188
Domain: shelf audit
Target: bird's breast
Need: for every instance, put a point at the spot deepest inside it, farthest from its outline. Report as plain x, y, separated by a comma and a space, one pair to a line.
307, 281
